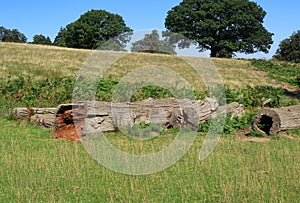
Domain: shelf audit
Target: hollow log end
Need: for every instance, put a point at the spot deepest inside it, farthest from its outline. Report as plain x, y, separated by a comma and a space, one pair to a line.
267, 121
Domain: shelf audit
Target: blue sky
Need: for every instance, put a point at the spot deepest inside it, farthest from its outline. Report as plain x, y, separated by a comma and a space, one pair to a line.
46, 17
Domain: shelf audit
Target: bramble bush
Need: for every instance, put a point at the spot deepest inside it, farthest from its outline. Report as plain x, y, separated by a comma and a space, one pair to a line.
282, 72
50, 92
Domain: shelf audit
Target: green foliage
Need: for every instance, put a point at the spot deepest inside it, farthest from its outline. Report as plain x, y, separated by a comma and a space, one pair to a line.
59, 40
111, 90
294, 132
8, 35
230, 124
152, 44
252, 97
241, 123
41, 39
289, 49
3, 30
223, 27
92, 29
282, 72
154, 92
24, 91
50, 92
105, 89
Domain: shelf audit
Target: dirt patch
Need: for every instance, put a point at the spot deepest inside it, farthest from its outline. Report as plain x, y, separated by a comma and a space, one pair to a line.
289, 88
289, 136
66, 128
262, 73
67, 132
254, 139
241, 136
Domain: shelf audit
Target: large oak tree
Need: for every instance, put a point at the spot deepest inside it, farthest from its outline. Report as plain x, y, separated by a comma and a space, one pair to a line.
289, 49
154, 43
41, 39
14, 35
92, 29
221, 26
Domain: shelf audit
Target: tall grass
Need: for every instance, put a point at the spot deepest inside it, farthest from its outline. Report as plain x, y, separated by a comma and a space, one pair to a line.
36, 168
40, 61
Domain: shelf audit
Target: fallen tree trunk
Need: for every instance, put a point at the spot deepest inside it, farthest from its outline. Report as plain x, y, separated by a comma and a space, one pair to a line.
43, 117
271, 121
234, 109
74, 121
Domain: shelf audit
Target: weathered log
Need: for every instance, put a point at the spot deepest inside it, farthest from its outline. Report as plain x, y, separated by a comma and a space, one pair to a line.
43, 117
76, 120
234, 109
73, 121
122, 114
271, 121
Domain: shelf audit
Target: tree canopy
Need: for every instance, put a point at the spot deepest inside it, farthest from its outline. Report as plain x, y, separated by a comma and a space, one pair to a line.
41, 39
92, 29
221, 26
289, 49
59, 41
152, 43
8, 35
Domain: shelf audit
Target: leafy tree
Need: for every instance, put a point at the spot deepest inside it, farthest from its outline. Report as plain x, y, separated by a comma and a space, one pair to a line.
2, 32
117, 43
152, 43
59, 41
221, 26
289, 49
7, 35
93, 29
41, 39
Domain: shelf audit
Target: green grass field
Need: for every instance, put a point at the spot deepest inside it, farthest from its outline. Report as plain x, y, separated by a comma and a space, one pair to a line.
36, 168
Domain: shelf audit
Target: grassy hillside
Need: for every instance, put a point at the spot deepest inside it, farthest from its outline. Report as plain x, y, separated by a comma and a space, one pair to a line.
48, 61
36, 168
43, 76
39, 61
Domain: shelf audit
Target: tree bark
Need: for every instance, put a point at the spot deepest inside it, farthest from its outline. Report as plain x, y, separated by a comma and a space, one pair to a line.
271, 121
74, 121
43, 117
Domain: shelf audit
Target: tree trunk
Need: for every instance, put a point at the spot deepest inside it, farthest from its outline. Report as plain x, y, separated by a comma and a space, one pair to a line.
213, 53
271, 121
74, 121
43, 117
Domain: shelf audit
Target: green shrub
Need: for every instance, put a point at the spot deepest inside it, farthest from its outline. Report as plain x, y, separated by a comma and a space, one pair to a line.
252, 97
230, 124
282, 72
